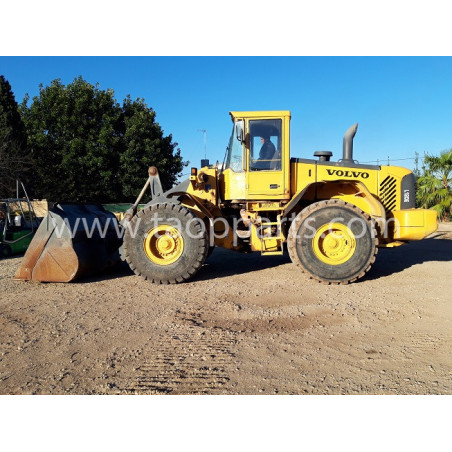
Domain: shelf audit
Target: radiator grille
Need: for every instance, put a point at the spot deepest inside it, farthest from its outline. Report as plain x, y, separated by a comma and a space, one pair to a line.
388, 193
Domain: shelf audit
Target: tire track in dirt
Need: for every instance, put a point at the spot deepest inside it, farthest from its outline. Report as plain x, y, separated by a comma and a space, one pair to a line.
245, 325
194, 360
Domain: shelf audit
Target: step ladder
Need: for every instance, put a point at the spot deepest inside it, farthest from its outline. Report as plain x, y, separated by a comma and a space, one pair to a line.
278, 237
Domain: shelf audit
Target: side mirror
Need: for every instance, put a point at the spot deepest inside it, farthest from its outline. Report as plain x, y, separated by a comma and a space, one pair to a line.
240, 131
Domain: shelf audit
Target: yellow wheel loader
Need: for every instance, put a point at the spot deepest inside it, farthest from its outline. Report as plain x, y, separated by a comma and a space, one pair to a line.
330, 215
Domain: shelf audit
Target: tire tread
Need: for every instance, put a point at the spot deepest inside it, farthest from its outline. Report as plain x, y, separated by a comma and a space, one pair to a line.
297, 222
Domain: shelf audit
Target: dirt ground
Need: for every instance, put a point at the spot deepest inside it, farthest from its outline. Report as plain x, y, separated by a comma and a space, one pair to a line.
245, 325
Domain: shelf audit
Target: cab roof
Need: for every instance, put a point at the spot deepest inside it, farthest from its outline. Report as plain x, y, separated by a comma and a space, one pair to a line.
259, 114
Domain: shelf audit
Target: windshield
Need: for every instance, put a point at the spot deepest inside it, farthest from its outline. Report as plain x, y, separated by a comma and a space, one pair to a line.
234, 155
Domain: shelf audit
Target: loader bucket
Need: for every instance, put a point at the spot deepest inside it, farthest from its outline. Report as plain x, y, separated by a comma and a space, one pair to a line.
71, 241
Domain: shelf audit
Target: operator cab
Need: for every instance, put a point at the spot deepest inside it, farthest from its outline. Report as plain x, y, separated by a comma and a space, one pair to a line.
257, 160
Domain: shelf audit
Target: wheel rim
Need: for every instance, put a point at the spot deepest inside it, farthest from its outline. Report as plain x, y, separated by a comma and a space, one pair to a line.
163, 244
334, 244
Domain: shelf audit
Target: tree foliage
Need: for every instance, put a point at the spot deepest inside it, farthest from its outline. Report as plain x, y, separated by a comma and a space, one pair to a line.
434, 187
14, 161
144, 146
88, 147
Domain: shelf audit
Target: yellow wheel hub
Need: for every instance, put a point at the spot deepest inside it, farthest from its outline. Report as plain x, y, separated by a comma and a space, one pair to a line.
334, 243
163, 244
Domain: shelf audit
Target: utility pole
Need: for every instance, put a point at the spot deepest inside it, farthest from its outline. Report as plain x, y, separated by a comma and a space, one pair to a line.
204, 131
416, 164
204, 162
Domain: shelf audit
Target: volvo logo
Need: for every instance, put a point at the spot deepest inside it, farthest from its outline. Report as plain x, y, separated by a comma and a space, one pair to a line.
347, 173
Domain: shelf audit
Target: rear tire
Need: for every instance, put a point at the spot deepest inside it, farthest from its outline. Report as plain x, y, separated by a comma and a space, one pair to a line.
170, 244
333, 241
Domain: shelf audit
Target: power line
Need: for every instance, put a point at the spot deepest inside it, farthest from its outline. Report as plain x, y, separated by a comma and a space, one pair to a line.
394, 160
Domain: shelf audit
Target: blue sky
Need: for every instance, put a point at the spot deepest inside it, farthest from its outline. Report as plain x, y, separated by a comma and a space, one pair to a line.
402, 104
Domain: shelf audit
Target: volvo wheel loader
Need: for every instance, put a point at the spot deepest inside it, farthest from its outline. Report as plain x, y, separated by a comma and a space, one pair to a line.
332, 216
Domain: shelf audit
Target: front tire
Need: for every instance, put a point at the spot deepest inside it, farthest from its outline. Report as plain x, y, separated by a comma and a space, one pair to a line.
165, 243
333, 241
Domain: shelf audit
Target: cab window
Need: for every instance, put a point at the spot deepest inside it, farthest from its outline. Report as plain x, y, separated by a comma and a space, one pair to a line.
265, 144
234, 157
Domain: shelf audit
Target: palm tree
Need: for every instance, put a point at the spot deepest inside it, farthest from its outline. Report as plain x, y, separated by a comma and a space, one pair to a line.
434, 187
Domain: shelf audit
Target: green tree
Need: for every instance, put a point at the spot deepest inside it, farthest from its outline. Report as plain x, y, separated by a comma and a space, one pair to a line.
144, 146
434, 187
14, 161
73, 141
87, 147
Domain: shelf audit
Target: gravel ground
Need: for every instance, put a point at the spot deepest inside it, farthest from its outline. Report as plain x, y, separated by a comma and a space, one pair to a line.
245, 325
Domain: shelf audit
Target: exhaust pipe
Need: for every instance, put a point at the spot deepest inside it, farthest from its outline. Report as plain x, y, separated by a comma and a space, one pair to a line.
347, 146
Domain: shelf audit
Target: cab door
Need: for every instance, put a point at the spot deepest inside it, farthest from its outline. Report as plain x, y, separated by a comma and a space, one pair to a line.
267, 159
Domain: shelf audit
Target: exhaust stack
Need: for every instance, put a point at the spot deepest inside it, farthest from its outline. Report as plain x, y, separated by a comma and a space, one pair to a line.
347, 146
